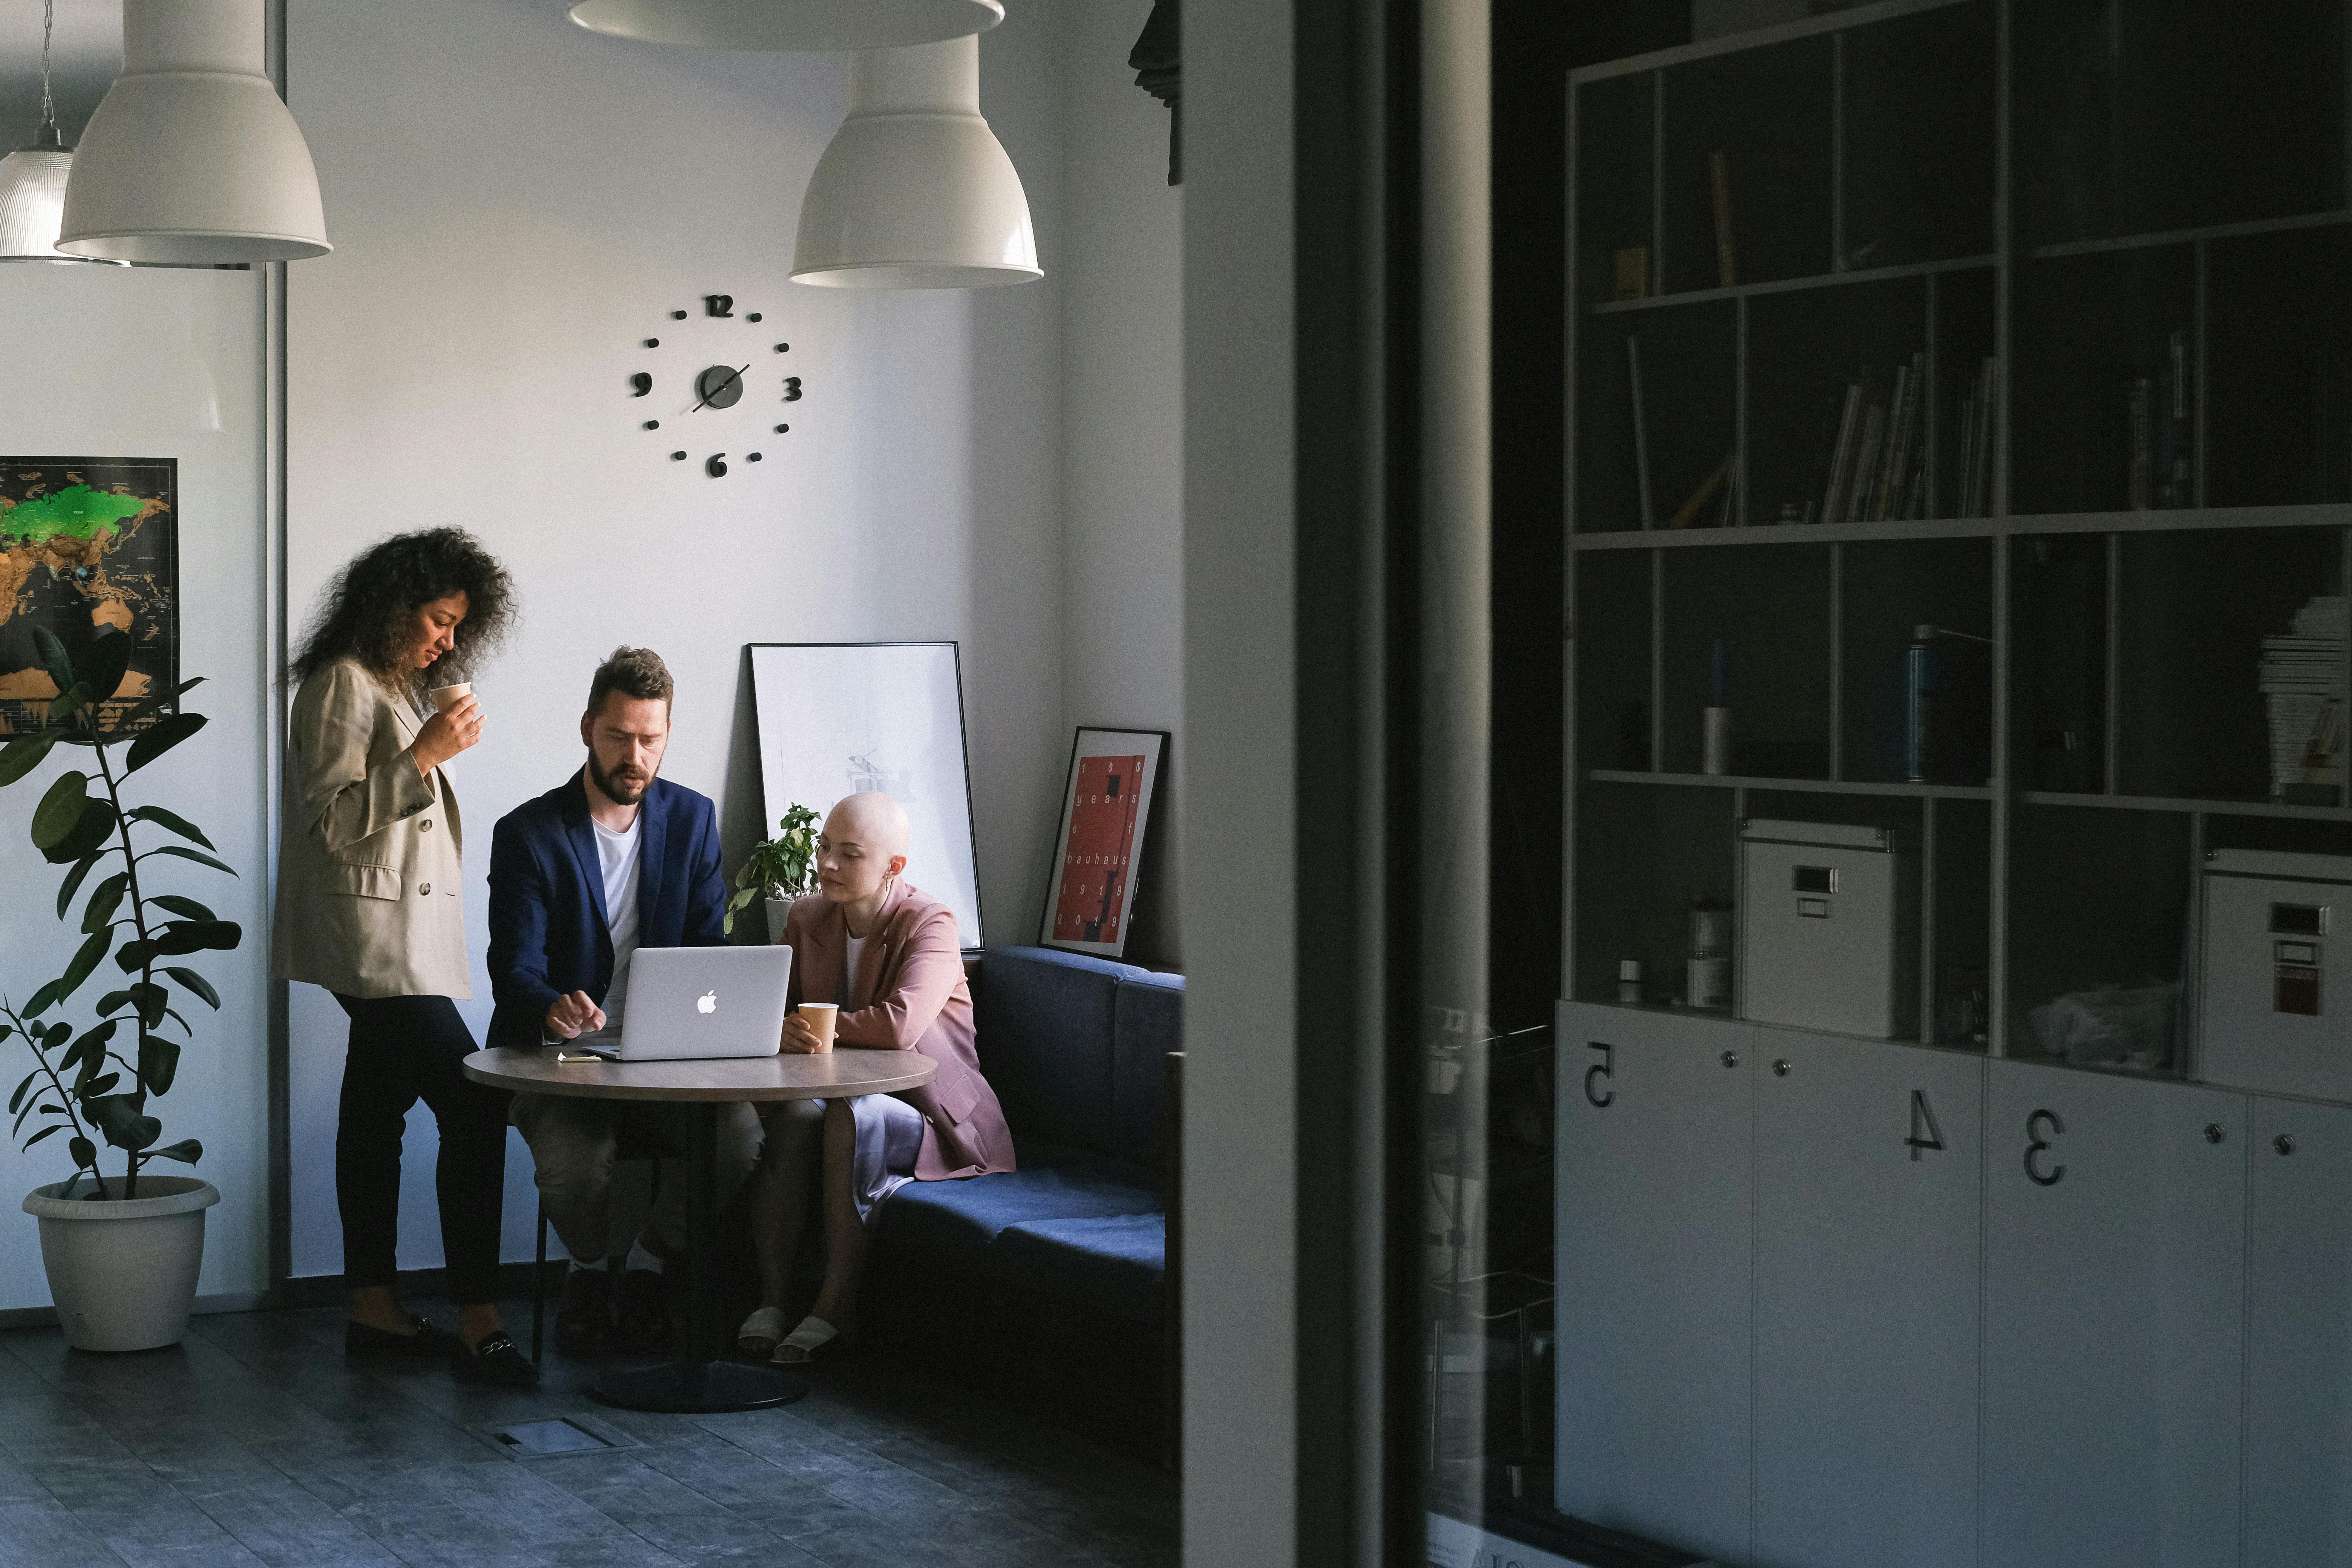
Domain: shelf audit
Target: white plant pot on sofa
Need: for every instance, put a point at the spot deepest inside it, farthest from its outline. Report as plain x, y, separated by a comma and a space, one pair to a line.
123, 1273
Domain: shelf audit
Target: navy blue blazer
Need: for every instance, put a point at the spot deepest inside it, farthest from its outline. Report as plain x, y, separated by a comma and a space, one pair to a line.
550, 935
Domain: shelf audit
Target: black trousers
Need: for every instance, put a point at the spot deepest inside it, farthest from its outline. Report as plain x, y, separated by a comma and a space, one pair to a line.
404, 1049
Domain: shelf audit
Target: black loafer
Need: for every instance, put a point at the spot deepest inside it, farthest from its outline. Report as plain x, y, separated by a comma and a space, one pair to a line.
584, 1318
494, 1360
364, 1341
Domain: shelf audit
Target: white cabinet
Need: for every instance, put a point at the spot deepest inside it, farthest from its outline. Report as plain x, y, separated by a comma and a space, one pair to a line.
1869, 1169
2299, 1336
2108, 1323
2114, 1292
1656, 1224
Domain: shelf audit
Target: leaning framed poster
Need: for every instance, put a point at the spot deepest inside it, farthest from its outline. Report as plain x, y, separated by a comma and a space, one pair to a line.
839, 717
1106, 813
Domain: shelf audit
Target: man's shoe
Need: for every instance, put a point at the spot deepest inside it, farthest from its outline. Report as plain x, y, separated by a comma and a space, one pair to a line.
584, 1318
645, 1325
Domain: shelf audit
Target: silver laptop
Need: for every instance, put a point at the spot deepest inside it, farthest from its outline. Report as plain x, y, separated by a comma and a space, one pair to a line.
689, 1002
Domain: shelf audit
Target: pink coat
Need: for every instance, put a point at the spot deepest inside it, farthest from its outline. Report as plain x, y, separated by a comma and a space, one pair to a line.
909, 995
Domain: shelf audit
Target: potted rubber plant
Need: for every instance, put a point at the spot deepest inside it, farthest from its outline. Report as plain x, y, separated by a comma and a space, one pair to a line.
122, 1252
780, 870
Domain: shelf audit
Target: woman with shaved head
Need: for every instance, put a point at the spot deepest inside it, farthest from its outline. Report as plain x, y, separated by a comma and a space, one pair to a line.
890, 957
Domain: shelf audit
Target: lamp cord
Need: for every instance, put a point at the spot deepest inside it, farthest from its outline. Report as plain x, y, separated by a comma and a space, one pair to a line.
48, 105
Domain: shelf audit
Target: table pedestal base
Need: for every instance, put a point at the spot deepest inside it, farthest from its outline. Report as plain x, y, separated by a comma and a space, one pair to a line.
697, 1388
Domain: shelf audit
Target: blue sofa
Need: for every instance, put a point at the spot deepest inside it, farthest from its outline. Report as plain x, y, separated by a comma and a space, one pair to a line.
1052, 1278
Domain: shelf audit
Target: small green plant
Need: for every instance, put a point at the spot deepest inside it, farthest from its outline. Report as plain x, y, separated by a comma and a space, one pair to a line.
782, 867
101, 1079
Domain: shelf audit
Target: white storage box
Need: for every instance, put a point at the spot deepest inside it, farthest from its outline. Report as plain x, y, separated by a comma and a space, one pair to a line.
2272, 1016
1829, 928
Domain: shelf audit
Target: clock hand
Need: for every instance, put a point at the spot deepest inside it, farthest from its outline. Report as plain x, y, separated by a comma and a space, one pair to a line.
732, 376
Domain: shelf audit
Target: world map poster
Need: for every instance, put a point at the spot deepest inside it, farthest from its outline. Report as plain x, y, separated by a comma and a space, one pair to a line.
86, 544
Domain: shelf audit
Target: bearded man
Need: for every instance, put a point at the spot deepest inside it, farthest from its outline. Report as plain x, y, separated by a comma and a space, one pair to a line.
613, 859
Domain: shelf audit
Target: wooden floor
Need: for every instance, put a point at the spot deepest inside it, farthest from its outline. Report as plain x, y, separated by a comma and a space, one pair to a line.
255, 1442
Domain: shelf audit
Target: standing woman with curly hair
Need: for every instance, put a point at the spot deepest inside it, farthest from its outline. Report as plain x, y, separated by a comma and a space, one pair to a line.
370, 906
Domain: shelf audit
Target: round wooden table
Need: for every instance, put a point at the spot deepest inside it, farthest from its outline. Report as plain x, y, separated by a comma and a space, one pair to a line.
703, 1383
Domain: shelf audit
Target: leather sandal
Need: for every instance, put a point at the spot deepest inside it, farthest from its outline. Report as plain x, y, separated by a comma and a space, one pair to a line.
762, 1333
802, 1345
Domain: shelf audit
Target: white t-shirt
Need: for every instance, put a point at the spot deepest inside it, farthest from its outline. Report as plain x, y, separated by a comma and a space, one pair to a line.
618, 852
857, 955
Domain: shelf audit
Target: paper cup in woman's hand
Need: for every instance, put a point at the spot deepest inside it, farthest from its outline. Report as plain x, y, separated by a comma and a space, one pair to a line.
447, 697
821, 1018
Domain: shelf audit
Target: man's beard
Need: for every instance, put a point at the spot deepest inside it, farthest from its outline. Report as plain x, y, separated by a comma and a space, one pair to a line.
615, 791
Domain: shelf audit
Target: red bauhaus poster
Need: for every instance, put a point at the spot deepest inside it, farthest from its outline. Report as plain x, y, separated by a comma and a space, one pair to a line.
1105, 812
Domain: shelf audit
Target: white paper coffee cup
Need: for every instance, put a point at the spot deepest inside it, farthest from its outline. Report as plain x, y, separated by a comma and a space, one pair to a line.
446, 697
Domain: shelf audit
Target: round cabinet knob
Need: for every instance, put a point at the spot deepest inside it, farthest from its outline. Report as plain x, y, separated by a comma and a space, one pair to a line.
2284, 1143
1781, 1067
2213, 1132
1731, 1059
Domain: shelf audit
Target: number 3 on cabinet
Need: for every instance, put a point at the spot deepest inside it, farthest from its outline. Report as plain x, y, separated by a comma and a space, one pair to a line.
2040, 1128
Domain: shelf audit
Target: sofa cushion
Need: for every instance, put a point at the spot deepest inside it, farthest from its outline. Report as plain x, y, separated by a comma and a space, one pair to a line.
946, 1227
1147, 1023
1115, 1263
1046, 1032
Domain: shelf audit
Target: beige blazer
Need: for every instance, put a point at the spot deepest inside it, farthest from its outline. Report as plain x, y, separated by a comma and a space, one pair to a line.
370, 852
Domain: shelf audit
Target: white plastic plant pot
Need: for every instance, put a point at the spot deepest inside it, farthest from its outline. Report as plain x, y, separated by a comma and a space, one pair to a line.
123, 1272
777, 910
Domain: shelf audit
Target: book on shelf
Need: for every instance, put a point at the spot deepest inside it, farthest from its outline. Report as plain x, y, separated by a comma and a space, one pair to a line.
2302, 680
2139, 413
1874, 465
2175, 442
1978, 448
1718, 174
1641, 432
1716, 487
1865, 462
1904, 452
1633, 272
2161, 442
1826, 505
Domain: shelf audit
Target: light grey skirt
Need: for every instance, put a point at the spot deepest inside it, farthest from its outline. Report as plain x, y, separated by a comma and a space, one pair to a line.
889, 1136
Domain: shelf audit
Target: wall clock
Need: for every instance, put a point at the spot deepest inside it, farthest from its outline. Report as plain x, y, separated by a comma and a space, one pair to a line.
711, 387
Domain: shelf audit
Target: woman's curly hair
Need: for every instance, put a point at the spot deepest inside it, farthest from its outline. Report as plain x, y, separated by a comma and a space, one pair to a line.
369, 613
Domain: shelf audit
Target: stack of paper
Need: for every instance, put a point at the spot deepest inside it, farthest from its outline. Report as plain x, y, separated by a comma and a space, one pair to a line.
2303, 684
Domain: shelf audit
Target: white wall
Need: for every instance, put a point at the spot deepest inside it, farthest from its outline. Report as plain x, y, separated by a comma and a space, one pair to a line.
1122, 464
516, 203
115, 362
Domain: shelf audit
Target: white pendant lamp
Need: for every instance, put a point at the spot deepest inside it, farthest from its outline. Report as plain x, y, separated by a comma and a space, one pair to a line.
33, 179
800, 24
192, 157
915, 192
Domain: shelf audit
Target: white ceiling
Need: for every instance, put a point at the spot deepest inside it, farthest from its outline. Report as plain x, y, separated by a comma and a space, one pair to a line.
86, 52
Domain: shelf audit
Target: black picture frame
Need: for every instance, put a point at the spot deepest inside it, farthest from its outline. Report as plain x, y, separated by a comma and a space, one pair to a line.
1072, 869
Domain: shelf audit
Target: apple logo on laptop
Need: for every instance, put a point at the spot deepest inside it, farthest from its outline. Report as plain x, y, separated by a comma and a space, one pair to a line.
707, 1003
